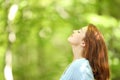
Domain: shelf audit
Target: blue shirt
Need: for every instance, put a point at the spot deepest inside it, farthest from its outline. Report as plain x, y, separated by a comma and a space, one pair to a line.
79, 69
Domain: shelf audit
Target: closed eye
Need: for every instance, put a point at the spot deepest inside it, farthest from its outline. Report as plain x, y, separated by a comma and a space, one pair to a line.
78, 31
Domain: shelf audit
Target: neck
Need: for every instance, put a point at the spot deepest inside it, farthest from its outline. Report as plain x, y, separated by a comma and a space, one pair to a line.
77, 52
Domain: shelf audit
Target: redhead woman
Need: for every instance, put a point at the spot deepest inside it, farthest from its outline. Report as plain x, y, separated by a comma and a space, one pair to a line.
90, 57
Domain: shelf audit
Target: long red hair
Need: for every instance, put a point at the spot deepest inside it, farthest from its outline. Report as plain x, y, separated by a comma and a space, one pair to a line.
96, 52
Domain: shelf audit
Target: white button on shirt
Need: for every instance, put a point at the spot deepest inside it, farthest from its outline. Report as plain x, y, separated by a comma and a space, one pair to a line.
78, 70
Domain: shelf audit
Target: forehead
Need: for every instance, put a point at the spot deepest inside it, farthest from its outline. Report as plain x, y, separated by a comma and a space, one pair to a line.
84, 28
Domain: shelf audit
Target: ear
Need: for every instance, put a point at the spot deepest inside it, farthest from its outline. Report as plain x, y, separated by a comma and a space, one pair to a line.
82, 43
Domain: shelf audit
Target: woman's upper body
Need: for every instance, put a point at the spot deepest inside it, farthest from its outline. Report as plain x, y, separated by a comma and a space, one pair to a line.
88, 43
79, 69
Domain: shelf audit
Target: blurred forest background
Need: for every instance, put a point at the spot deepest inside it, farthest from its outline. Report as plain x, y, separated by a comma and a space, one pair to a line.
33, 35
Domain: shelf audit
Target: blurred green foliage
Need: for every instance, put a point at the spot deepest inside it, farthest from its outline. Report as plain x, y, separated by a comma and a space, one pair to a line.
41, 50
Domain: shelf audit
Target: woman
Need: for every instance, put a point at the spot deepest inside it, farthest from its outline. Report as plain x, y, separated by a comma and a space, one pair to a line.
90, 59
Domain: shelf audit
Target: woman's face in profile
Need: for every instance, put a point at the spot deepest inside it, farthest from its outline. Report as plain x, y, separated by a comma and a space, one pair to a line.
77, 37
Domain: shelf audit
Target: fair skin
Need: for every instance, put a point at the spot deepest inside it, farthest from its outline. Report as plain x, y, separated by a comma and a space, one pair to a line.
77, 43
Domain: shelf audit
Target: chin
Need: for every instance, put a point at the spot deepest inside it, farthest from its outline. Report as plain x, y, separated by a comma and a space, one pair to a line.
70, 40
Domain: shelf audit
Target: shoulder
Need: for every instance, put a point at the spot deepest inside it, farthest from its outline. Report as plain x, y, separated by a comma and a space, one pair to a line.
78, 69
82, 69
80, 62
81, 65
77, 65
